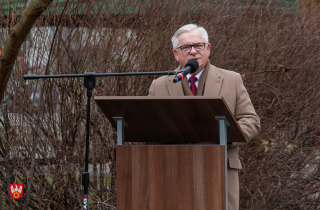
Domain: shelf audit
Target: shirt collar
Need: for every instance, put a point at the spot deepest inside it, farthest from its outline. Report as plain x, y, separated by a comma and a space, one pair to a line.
198, 75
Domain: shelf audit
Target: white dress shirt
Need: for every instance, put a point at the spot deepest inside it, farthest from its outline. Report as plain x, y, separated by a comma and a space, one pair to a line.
198, 78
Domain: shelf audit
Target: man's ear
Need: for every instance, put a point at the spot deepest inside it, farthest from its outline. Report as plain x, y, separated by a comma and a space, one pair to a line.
175, 53
209, 47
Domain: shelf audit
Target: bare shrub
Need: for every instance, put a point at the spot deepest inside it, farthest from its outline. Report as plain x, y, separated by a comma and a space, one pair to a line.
274, 47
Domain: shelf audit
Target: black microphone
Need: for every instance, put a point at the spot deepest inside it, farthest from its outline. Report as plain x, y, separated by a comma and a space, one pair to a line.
190, 67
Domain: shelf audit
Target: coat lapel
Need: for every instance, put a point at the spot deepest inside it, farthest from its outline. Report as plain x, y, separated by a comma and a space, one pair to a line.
212, 85
213, 82
175, 89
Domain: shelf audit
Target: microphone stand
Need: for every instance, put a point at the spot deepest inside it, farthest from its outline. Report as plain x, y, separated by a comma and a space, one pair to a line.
90, 83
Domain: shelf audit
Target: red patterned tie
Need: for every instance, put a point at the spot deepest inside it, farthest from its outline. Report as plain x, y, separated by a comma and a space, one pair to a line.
193, 86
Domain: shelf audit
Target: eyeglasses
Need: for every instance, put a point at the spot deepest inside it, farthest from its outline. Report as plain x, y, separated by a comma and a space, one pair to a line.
196, 46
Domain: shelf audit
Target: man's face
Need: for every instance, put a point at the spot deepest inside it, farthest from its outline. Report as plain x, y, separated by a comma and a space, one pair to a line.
190, 38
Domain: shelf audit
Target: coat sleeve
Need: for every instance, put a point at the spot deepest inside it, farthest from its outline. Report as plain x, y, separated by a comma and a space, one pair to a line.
244, 113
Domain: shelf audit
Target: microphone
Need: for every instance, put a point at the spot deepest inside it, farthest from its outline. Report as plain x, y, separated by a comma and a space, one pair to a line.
190, 67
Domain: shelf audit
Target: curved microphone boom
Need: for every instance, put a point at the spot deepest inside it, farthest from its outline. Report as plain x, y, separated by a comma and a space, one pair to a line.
190, 67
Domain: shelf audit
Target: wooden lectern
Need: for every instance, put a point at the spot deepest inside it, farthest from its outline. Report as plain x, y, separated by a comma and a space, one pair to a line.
183, 165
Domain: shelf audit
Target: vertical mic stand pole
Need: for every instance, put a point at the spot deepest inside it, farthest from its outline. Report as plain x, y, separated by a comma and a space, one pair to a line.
89, 83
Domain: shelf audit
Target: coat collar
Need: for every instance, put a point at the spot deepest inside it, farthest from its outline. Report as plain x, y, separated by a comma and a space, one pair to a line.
213, 82
212, 85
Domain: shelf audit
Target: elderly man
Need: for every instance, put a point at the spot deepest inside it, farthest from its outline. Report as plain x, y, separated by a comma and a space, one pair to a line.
192, 42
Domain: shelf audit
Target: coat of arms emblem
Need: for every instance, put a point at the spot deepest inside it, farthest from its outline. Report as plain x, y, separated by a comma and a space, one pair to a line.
16, 190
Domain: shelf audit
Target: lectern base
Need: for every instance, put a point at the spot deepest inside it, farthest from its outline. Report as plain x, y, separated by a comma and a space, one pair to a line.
170, 177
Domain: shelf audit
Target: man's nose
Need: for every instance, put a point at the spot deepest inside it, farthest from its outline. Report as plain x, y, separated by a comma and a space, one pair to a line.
193, 50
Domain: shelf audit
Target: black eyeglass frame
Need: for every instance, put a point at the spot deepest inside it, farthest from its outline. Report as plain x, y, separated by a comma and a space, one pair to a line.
204, 43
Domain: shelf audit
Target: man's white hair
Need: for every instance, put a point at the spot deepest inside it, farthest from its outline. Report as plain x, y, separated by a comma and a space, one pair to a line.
186, 28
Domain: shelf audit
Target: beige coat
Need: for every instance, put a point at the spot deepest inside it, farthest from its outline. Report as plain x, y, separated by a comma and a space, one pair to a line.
216, 82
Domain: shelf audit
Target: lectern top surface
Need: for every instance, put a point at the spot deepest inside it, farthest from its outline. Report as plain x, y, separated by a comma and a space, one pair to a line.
182, 119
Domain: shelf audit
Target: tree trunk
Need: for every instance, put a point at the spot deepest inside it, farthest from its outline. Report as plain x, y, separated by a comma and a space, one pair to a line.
16, 37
